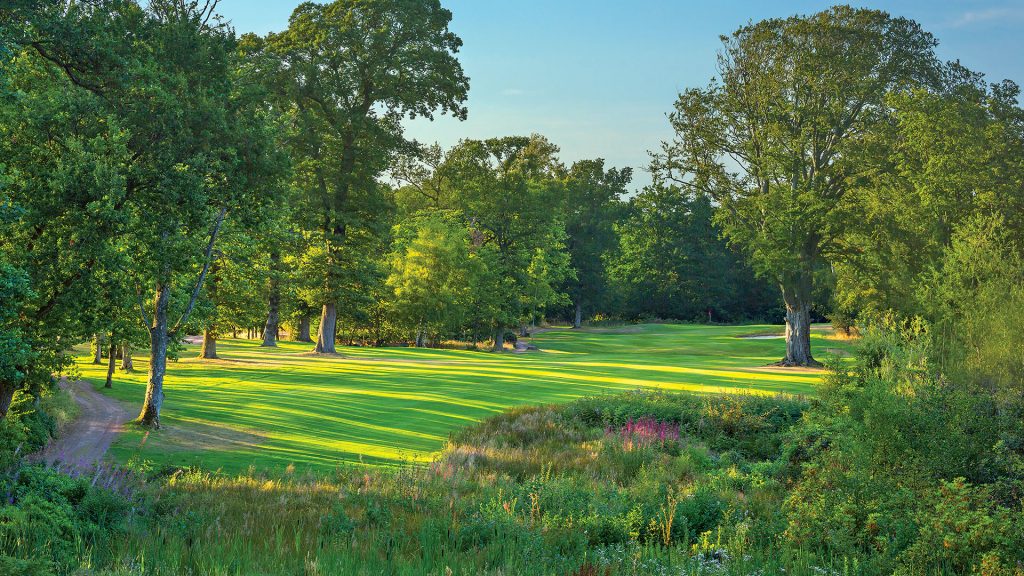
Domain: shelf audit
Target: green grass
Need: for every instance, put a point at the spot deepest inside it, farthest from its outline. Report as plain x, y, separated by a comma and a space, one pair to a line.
269, 408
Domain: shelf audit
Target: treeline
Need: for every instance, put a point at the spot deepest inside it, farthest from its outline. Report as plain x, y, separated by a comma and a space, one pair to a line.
161, 177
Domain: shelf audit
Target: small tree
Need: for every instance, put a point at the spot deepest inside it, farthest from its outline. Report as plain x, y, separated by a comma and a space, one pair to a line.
433, 271
15, 353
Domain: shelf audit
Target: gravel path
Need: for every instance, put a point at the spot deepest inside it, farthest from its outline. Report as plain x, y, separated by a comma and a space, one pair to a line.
84, 442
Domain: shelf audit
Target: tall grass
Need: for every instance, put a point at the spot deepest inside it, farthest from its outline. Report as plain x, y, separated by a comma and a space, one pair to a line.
633, 484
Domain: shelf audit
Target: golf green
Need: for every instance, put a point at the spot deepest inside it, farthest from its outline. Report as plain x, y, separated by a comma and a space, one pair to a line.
274, 407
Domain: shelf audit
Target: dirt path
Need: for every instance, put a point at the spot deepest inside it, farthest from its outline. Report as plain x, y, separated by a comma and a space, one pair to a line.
86, 440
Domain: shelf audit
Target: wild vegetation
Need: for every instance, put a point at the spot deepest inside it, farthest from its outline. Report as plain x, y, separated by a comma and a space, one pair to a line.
162, 177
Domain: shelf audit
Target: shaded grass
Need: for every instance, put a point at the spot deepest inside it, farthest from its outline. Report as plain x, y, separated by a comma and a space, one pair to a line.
271, 408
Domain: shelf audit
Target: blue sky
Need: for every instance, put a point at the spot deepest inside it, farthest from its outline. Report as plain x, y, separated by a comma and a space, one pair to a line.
598, 76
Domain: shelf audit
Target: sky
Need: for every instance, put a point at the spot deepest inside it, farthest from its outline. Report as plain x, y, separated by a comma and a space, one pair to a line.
597, 77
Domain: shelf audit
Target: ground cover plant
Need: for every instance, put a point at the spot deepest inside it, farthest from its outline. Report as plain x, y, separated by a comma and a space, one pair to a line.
536, 490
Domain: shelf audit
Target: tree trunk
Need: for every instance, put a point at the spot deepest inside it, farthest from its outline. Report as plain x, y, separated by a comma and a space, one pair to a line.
304, 330
126, 359
273, 302
98, 345
7, 390
328, 330
270, 331
421, 336
577, 321
111, 363
158, 337
209, 350
499, 339
797, 296
523, 332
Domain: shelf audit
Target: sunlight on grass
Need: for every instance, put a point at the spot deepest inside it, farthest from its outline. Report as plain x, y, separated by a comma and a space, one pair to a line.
274, 407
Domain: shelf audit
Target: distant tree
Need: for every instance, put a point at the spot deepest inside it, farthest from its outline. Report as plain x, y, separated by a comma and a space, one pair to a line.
510, 193
593, 205
350, 71
236, 286
784, 134
672, 263
433, 272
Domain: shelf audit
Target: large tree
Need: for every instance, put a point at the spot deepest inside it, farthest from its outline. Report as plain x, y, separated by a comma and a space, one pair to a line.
62, 196
510, 194
351, 71
211, 156
783, 134
956, 156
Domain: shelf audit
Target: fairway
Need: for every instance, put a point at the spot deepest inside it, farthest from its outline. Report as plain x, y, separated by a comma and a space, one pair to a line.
269, 408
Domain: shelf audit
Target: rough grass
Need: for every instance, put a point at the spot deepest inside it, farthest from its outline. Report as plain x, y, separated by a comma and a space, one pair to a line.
547, 490
271, 408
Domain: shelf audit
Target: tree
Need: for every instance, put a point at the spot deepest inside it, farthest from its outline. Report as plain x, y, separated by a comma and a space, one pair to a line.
433, 272
202, 154
350, 71
672, 263
62, 197
785, 132
592, 207
509, 191
236, 284
956, 156
15, 353
273, 323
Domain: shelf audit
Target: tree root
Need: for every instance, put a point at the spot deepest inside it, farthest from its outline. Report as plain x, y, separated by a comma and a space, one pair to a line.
784, 363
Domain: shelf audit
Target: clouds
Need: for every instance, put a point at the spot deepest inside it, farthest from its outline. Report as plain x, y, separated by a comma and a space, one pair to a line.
1003, 14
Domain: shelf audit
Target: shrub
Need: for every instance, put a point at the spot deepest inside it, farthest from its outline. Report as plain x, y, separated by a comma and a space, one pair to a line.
336, 523
962, 531
751, 424
50, 517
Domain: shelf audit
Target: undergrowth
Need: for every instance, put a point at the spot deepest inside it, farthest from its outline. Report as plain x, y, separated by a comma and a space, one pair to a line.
632, 484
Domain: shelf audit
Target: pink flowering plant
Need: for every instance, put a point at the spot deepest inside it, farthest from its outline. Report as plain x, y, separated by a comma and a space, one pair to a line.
646, 432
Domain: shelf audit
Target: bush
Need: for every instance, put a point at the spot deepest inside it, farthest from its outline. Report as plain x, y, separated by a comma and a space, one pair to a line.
36, 528
50, 517
750, 424
962, 531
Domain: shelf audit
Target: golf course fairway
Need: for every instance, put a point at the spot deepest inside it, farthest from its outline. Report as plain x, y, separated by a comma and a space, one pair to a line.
274, 407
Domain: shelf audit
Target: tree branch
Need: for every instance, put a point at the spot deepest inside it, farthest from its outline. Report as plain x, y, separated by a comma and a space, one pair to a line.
68, 69
142, 310
202, 275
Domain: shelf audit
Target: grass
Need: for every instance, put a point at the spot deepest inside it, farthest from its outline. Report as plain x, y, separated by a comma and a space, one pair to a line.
271, 408
583, 488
